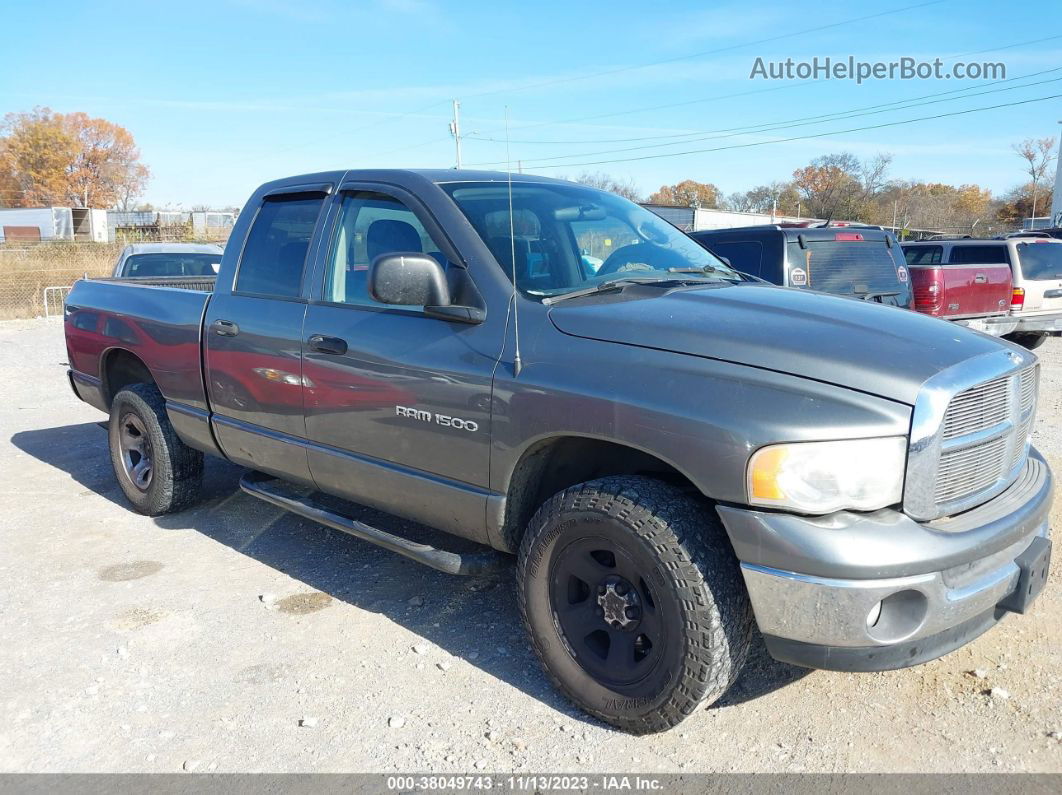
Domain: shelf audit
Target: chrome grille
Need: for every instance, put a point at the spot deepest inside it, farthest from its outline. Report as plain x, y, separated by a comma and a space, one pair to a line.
1027, 400
985, 435
974, 468
978, 408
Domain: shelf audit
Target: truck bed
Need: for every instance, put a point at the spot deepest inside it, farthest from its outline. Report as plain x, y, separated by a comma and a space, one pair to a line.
159, 324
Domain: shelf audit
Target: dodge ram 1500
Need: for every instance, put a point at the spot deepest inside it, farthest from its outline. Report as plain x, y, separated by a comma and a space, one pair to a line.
672, 452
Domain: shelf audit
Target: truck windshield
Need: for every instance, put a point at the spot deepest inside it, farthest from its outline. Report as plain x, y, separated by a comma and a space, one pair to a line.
1040, 261
559, 238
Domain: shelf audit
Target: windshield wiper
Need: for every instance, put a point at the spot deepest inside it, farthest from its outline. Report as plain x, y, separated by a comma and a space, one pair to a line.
705, 270
615, 284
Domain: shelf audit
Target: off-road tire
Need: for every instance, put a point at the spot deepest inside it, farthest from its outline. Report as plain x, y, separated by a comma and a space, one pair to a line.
694, 572
177, 469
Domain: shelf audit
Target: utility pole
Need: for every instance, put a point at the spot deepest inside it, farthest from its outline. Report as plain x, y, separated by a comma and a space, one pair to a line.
455, 130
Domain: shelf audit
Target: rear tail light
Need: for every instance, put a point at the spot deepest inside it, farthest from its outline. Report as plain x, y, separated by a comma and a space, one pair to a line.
928, 290
848, 236
1017, 299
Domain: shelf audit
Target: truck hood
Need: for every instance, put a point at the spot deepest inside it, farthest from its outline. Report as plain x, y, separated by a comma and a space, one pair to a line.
868, 347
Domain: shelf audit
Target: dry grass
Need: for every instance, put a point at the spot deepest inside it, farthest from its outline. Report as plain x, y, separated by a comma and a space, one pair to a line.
27, 268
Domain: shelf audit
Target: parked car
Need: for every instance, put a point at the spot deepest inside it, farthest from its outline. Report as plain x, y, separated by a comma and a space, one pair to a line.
670, 450
853, 261
1036, 273
976, 296
1053, 232
155, 260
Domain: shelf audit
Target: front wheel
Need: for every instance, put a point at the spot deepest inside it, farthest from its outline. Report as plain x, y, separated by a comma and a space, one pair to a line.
158, 473
633, 600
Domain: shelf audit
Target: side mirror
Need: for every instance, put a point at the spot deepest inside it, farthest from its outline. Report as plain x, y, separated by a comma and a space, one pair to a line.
724, 260
408, 279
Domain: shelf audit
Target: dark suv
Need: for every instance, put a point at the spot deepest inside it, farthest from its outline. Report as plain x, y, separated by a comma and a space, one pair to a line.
857, 261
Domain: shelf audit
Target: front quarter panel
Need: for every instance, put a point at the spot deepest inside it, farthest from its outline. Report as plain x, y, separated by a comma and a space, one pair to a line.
703, 417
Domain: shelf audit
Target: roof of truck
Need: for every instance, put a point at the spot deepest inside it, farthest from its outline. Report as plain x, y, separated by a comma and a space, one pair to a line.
171, 248
403, 176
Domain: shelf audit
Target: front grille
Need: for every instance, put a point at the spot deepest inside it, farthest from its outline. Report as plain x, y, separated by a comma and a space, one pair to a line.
966, 471
978, 408
985, 435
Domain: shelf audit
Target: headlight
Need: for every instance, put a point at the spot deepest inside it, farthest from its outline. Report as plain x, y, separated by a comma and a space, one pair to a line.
821, 477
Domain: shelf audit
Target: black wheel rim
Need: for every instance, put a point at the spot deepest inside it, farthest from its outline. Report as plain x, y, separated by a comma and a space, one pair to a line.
606, 611
135, 448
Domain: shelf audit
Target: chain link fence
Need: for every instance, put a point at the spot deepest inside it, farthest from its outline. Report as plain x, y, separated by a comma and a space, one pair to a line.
29, 271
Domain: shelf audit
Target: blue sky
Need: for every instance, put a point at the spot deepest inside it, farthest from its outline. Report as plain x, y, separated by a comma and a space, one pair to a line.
224, 95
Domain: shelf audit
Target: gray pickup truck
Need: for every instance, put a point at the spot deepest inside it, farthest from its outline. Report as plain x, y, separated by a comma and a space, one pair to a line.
673, 452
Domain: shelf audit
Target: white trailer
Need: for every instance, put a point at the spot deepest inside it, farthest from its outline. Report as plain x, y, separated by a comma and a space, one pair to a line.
32, 224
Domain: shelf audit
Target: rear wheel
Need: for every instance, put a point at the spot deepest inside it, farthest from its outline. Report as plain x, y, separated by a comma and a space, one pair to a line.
158, 473
633, 601
1027, 339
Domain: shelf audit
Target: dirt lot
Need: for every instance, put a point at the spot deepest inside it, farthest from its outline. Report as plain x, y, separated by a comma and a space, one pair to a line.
200, 642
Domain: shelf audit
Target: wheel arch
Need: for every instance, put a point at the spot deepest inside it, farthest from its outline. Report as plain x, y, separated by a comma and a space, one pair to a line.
551, 464
120, 367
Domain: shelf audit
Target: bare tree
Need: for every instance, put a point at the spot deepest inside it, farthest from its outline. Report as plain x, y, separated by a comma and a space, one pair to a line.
625, 187
1038, 154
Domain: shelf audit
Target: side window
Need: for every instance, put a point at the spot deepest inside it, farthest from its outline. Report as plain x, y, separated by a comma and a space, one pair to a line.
979, 255
275, 252
924, 255
371, 224
744, 256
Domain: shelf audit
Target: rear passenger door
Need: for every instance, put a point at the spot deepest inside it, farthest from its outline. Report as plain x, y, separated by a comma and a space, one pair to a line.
253, 339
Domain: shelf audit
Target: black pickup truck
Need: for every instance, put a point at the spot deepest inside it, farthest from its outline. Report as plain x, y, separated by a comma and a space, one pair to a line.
671, 450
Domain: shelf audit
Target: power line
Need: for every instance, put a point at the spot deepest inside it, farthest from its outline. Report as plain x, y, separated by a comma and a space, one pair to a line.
768, 124
804, 122
805, 137
684, 103
716, 51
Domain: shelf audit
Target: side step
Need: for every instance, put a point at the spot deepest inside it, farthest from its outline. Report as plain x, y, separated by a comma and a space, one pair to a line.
284, 495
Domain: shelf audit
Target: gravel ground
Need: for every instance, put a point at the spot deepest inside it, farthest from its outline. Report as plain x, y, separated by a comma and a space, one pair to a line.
235, 637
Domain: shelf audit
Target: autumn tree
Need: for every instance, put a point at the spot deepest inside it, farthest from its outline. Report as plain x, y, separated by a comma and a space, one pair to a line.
623, 187
53, 158
1018, 204
1038, 154
687, 193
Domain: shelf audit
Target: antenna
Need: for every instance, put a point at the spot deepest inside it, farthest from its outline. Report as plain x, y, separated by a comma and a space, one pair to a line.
517, 364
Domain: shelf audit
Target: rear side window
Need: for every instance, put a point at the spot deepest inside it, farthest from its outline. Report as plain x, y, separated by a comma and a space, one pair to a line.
745, 255
924, 255
979, 255
1040, 261
275, 252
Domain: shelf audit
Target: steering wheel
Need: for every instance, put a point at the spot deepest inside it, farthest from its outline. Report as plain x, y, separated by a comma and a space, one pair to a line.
636, 255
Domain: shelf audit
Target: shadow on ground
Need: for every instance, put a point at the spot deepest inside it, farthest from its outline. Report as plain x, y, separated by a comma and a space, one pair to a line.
472, 618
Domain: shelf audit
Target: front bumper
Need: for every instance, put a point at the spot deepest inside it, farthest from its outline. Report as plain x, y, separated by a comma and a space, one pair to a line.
878, 590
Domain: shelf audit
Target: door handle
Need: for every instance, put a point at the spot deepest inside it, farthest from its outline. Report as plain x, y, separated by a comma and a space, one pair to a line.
226, 328
980, 278
332, 345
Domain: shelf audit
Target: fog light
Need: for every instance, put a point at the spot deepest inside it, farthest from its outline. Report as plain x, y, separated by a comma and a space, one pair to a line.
897, 616
874, 615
